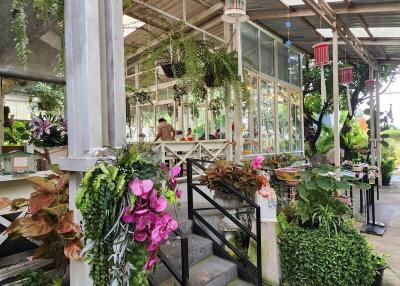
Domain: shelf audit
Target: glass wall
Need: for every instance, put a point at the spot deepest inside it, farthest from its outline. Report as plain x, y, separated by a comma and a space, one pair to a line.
295, 114
250, 46
267, 54
283, 118
250, 119
267, 111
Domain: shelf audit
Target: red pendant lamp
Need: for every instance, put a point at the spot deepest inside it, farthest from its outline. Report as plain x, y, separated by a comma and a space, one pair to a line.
321, 58
369, 85
345, 78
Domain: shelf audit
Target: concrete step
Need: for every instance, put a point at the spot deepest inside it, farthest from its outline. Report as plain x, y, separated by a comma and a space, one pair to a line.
212, 271
199, 249
238, 282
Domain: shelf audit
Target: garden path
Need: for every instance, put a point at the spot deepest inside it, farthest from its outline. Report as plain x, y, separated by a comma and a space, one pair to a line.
389, 243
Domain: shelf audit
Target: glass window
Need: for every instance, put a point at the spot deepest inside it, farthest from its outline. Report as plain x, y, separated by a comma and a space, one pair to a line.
283, 118
267, 54
147, 123
294, 68
249, 46
250, 119
283, 66
216, 115
296, 121
267, 117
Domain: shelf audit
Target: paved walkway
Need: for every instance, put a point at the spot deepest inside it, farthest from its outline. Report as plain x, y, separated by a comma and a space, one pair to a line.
389, 243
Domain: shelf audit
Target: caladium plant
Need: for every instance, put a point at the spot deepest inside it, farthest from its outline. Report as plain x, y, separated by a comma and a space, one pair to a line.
49, 219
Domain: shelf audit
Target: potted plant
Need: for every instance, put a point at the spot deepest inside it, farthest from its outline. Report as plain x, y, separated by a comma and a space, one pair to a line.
387, 168
50, 132
380, 264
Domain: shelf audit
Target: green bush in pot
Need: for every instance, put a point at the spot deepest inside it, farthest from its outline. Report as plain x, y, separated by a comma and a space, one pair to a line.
387, 168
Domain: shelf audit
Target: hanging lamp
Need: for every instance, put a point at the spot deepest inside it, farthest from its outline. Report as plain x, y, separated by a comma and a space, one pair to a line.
346, 77
235, 11
321, 58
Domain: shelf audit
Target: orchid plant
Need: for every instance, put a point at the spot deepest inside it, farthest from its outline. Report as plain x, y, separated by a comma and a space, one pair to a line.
124, 207
48, 130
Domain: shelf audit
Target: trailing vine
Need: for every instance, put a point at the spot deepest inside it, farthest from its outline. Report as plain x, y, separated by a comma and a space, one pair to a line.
45, 10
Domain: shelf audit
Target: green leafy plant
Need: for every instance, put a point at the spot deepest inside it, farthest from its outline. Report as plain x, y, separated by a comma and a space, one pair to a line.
318, 204
311, 257
37, 278
51, 97
388, 166
17, 134
45, 9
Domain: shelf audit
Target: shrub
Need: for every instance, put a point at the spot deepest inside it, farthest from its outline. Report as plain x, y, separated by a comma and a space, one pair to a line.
311, 257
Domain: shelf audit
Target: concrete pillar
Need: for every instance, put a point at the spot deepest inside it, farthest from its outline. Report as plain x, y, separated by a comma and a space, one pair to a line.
336, 131
271, 265
87, 50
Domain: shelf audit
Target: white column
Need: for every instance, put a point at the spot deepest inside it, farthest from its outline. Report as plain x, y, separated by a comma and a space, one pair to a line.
336, 131
2, 119
237, 102
86, 49
228, 99
115, 73
372, 119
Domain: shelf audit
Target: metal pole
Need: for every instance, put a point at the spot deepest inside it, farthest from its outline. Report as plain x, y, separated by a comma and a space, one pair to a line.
372, 118
33, 76
378, 129
336, 101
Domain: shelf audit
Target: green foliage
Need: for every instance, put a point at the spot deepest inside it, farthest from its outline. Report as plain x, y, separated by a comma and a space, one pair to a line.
387, 167
51, 97
310, 257
318, 204
17, 134
38, 278
45, 10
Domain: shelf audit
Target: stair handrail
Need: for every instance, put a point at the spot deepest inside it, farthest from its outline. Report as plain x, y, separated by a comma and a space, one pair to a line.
193, 213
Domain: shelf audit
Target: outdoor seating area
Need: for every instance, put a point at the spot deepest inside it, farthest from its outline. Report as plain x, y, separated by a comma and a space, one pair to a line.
199, 142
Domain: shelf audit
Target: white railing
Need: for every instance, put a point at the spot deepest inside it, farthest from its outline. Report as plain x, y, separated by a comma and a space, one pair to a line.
176, 152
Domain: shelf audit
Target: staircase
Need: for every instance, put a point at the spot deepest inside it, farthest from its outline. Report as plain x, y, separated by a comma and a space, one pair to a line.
205, 268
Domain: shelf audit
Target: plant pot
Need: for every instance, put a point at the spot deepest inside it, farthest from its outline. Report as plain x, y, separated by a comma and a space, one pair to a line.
209, 79
379, 276
7, 149
55, 153
226, 200
386, 180
173, 70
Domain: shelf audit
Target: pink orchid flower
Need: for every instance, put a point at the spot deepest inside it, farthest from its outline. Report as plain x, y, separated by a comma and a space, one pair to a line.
127, 217
146, 221
151, 260
175, 171
140, 236
157, 204
141, 188
256, 163
178, 193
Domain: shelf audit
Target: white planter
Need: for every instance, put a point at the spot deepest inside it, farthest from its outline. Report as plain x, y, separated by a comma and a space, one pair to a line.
55, 153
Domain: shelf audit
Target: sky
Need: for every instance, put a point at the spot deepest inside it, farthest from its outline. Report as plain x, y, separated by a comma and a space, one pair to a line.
391, 96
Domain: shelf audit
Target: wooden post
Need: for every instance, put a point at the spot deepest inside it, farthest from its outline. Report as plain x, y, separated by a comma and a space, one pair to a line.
2, 119
336, 132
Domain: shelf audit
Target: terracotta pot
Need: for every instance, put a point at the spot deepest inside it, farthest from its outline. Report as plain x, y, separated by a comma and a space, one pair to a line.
7, 149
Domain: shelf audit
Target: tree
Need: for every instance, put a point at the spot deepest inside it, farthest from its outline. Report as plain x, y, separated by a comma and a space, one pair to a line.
314, 111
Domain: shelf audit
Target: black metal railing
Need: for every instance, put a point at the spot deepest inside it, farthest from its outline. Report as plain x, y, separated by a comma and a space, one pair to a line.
246, 269
181, 276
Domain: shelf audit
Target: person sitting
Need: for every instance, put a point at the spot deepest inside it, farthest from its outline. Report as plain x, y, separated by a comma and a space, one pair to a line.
165, 131
217, 133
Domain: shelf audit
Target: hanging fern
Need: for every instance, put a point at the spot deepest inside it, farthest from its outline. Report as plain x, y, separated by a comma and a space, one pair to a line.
45, 10
19, 29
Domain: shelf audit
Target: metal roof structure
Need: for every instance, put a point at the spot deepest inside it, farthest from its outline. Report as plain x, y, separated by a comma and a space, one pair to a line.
369, 30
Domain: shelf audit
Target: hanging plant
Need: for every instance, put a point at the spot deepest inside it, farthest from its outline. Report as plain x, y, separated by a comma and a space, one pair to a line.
193, 106
142, 97
45, 10
179, 92
215, 105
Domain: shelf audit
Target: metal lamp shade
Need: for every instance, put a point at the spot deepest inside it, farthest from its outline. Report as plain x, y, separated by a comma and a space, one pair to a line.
346, 75
235, 11
321, 53
369, 84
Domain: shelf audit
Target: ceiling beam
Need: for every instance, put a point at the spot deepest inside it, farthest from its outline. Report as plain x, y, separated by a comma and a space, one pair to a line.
375, 42
371, 8
327, 14
366, 28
